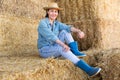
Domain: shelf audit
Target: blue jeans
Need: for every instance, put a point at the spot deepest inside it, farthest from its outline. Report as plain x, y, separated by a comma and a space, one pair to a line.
56, 50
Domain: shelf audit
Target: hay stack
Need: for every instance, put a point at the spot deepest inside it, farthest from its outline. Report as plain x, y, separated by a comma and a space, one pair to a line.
100, 21
18, 25
27, 8
110, 62
32, 67
18, 35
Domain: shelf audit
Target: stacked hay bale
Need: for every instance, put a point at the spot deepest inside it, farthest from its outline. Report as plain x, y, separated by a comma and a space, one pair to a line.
34, 68
99, 20
25, 8
18, 35
18, 25
109, 60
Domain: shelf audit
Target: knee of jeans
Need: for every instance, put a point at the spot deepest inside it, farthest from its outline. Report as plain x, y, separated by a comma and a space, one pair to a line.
62, 33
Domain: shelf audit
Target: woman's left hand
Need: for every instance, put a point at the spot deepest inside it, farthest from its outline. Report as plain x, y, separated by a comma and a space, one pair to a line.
81, 34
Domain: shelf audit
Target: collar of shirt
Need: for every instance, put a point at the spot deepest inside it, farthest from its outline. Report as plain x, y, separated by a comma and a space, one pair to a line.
51, 26
48, 21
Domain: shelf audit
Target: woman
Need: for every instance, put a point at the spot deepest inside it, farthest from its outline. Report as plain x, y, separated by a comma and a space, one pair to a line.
52, 36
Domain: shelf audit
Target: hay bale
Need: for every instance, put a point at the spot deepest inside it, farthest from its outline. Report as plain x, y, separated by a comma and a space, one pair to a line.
91, 39
110, 32
89, 9
18, 35
27, 8
32, 67
109, 60
100, 21
104, 36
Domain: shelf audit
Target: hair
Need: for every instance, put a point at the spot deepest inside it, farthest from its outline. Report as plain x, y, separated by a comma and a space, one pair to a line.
47, 13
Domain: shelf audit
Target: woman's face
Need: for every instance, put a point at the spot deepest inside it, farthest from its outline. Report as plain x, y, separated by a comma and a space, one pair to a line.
52, 14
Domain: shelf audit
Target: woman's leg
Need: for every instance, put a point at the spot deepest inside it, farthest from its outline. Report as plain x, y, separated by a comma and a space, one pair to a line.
56, 51
91, 71
49, 51
64, 36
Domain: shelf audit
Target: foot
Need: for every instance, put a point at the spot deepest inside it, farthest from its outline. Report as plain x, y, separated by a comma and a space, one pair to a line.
94, 72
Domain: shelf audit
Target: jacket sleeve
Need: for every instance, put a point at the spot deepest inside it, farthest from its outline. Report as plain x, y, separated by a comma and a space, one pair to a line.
44, 31
64, 27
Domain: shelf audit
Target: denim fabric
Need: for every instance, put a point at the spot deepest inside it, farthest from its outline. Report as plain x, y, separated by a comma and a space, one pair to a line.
47, 34
56, 50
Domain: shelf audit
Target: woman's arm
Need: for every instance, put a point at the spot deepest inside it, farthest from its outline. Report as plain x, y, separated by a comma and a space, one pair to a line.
80, 33
73, 29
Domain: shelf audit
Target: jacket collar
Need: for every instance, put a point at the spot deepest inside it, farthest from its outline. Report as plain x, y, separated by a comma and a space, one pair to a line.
48, 21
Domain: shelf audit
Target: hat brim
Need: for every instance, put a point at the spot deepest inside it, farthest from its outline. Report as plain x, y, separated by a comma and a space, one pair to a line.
46, 8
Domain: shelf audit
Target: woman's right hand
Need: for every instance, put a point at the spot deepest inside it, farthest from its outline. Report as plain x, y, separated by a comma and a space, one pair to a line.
81, 34
66, 48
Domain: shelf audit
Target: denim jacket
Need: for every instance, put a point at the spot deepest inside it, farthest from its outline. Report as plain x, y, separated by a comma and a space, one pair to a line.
47, 35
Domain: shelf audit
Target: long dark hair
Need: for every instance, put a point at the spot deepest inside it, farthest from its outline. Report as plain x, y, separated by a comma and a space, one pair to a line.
46, 16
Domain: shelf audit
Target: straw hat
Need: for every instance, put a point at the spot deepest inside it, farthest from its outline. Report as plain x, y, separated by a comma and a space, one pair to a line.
52, 5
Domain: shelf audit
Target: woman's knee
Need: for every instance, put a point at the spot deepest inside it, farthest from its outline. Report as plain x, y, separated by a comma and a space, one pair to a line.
63, 32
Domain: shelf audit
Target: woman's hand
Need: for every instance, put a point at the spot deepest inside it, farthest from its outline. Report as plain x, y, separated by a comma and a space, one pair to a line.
66, 48
80, 34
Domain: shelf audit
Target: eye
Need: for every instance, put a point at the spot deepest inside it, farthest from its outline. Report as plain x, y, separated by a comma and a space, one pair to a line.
56, 11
